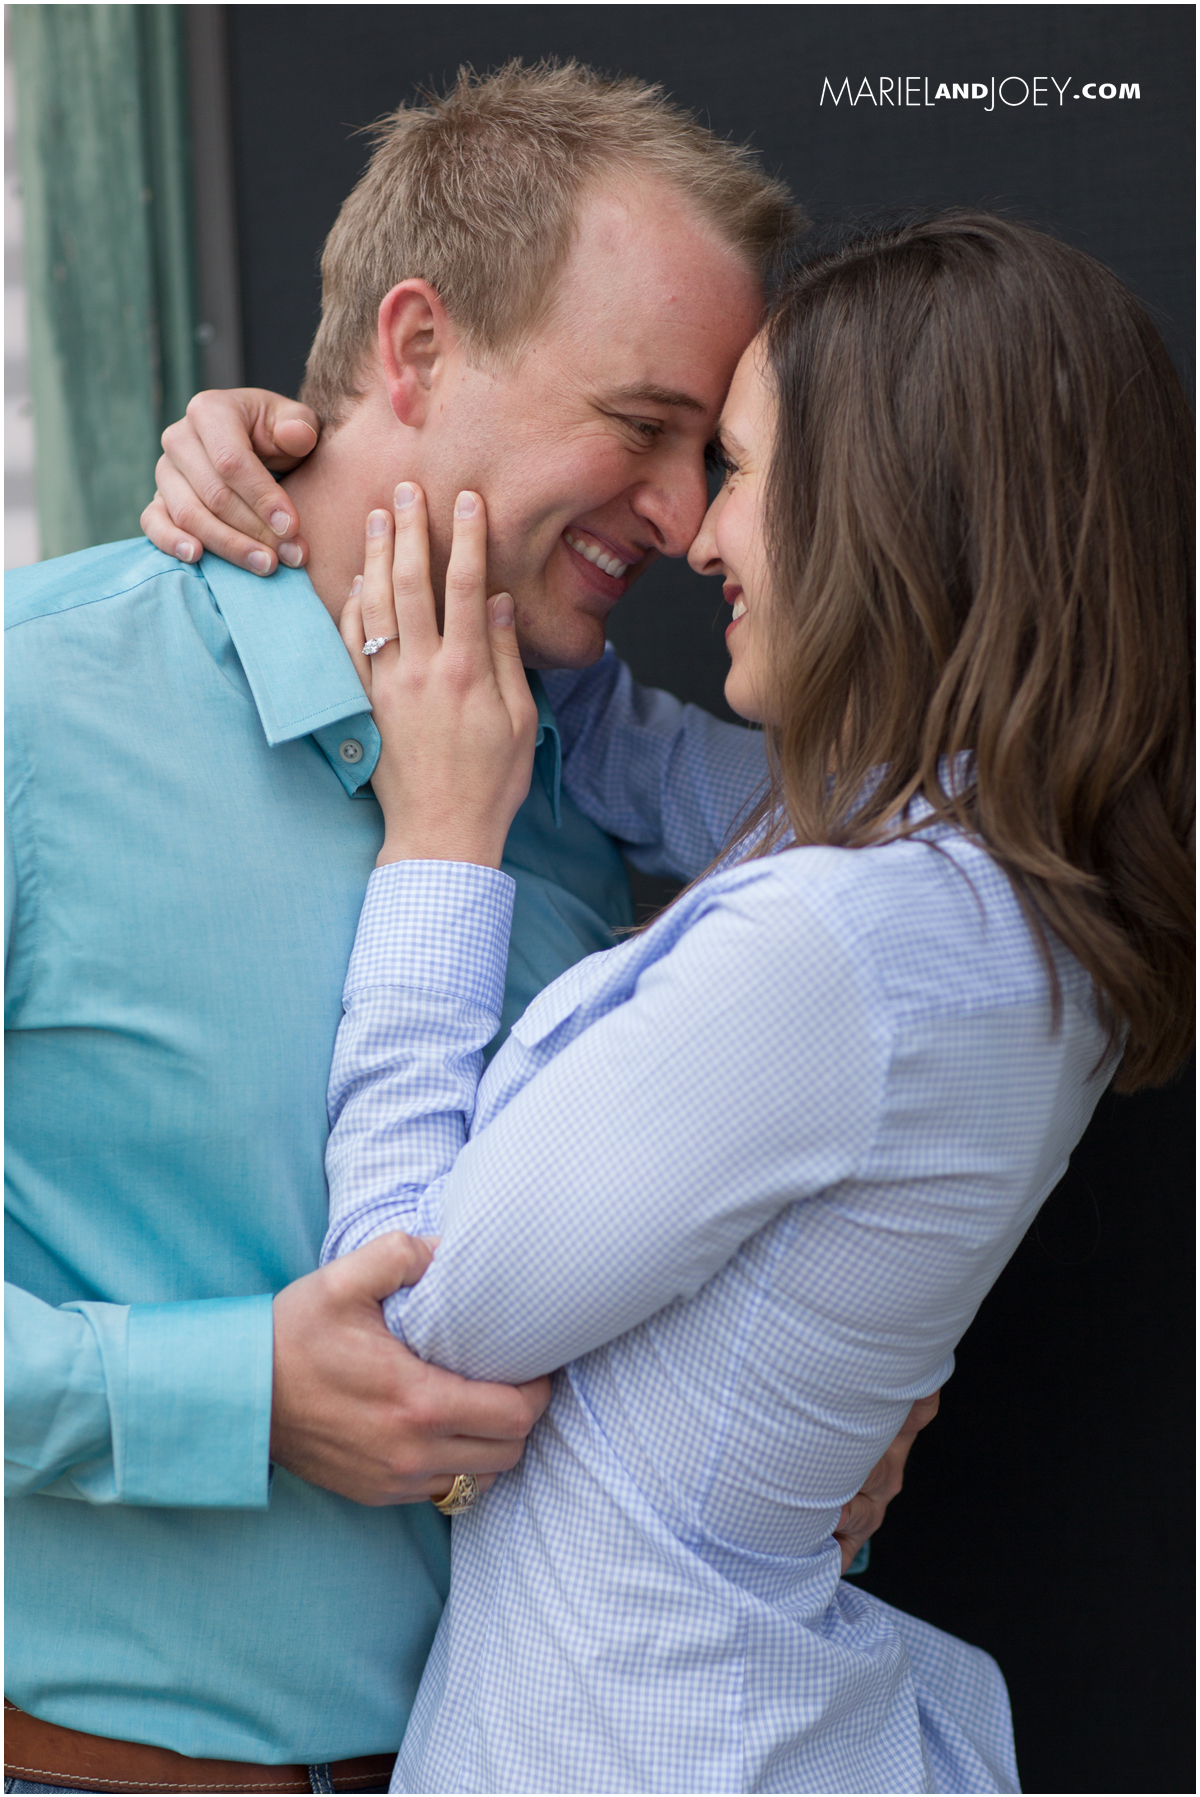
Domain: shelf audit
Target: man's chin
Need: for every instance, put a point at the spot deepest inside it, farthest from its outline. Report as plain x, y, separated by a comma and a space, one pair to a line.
546, 644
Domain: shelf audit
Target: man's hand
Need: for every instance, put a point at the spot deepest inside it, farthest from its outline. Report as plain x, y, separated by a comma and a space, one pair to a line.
863, 1514
354, 1411
214, 491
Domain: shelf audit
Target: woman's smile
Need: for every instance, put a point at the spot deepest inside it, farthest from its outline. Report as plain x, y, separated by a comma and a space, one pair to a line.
731, 542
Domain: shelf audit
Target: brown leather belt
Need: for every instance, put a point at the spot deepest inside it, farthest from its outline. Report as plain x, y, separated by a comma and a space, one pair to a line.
43, 1753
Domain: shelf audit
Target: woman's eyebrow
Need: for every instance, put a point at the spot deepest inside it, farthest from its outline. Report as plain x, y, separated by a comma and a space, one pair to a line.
726, 442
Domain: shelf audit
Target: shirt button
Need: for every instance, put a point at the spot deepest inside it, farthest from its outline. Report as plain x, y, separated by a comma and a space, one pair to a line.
351, 750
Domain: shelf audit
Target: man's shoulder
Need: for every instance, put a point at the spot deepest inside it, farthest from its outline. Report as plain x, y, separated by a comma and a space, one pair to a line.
89, 577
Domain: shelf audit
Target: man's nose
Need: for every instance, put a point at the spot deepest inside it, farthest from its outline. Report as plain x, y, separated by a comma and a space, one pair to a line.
673, 506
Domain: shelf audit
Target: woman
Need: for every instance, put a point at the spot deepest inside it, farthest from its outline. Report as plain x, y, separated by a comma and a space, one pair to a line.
765, 1158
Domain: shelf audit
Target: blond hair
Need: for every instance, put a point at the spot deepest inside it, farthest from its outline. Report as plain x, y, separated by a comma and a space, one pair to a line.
477, 191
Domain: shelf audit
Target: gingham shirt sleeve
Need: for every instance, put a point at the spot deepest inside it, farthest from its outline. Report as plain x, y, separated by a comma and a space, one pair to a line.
743, 1073
421, 1001
668, 780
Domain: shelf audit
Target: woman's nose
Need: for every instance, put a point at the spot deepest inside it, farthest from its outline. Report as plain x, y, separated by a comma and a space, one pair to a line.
702, 556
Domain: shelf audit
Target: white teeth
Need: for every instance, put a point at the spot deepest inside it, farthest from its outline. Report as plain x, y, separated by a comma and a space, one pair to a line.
593, 553
739, 609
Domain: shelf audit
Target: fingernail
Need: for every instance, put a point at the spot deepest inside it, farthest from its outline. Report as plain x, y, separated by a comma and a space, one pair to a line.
466, 505
406, 495
184, 551
377, 524
502, 609
281, 523
291, 553
356, 586
259, 561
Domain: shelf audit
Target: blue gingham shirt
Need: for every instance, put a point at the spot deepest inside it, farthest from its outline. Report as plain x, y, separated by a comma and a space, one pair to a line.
745, 1179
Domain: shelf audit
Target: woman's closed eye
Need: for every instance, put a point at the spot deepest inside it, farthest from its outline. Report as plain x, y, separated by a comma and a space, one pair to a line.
718, 460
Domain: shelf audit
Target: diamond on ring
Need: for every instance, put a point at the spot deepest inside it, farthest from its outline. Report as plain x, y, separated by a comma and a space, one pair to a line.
373, 644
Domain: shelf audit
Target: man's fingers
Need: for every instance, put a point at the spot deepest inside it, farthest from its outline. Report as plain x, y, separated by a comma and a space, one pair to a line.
857, 1523
411, 591
860, 1518
922, 1414
476, 1410
866, 1510
886, 1478
441, 1488
447, 1456
536, 1393
850, 1546
382, 1266
466, 626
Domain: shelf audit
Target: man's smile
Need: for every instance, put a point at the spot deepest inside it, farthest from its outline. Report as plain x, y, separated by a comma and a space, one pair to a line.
606, 566
593, 551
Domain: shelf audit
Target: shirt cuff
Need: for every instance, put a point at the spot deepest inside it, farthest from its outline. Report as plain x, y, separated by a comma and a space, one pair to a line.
190, 1392
436, 926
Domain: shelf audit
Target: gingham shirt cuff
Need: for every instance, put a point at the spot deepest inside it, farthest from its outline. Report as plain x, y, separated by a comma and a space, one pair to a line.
435, 926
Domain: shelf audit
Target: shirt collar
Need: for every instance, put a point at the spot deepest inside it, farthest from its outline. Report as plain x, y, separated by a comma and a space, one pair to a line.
547, 757
304, 683
302, 679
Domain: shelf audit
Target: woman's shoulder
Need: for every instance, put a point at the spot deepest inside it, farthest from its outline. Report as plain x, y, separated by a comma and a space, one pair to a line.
920, 929
931, 924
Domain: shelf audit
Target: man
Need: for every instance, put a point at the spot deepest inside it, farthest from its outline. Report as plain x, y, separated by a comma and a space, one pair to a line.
539, 289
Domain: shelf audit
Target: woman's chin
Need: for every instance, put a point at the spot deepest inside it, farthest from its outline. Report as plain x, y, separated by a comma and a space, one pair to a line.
741, 696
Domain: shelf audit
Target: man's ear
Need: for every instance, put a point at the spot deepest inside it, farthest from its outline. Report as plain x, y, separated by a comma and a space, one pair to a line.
415, 336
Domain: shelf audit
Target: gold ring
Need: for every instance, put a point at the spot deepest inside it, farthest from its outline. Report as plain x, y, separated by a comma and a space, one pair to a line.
460, 1497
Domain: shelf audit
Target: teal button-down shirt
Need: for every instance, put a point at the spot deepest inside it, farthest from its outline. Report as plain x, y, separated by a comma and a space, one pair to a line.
191, 832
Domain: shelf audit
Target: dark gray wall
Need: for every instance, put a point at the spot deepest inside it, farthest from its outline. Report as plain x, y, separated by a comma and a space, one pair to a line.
1048, 1511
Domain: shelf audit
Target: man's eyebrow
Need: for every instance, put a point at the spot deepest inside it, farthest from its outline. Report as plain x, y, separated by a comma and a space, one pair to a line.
656, 396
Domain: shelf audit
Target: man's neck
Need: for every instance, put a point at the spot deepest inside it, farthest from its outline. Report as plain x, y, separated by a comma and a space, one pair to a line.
347, 475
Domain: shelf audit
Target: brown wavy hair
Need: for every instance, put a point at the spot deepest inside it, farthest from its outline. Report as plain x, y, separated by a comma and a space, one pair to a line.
980, 512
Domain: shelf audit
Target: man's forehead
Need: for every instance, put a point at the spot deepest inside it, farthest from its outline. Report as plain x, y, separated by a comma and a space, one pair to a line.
652, 310
644, 261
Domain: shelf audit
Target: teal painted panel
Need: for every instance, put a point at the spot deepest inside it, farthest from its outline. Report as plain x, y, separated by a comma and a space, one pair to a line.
102, 136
